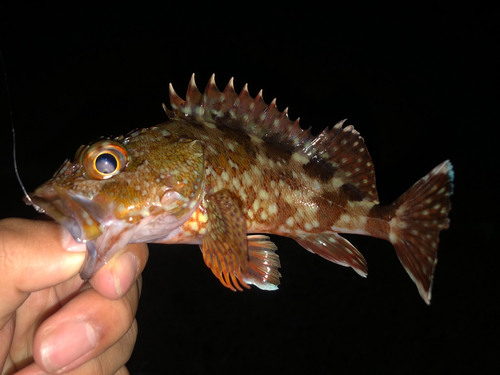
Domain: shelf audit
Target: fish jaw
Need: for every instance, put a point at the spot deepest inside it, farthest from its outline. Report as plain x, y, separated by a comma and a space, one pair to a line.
102, 224
117, 233
67, 210
88, 221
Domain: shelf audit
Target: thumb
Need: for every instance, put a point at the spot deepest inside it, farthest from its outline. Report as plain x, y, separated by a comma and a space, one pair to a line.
34, 255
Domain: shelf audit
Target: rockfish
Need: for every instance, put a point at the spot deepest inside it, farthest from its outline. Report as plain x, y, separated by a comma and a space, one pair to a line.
227, 169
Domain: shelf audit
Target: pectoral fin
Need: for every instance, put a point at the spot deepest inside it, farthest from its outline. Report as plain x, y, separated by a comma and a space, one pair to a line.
264, 263
225, 242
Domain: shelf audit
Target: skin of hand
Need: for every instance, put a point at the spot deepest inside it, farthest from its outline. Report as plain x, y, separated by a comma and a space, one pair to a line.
51, 321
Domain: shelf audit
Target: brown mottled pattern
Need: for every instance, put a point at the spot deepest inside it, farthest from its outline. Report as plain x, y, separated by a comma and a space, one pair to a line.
278, 194
226, 165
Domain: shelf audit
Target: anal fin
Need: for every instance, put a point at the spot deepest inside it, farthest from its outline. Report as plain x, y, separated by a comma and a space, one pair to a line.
336, 249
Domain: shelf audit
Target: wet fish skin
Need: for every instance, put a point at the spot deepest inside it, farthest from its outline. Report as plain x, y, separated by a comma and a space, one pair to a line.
226, 169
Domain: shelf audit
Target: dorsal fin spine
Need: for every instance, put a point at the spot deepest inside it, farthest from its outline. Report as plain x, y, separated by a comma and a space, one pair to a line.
245, 102
212, 99
176, 102
340, 150
193, 99
229, 99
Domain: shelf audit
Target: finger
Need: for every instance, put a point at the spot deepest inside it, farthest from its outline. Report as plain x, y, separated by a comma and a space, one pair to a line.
83, 329
112, 361
33, 256
122, 371
115, 278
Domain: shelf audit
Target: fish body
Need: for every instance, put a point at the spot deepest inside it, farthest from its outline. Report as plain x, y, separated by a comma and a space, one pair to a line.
227, 169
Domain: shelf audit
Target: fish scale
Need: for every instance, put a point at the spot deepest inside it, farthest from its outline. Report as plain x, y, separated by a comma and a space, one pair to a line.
228, 168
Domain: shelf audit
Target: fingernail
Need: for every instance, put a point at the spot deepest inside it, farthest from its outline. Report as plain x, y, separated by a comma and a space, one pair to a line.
124, 273
66, 343
70, 244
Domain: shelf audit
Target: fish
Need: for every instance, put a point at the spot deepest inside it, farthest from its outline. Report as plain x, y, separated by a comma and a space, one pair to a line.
226, 171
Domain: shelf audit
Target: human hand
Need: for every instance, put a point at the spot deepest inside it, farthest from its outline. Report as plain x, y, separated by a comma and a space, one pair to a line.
52, 321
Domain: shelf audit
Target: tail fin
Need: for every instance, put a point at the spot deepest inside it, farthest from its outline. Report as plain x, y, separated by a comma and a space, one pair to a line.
421, 213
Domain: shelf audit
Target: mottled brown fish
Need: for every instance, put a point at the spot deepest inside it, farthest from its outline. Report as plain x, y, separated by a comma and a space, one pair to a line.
227, 165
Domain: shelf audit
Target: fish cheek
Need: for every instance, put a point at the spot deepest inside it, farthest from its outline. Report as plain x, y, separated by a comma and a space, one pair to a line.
187, 169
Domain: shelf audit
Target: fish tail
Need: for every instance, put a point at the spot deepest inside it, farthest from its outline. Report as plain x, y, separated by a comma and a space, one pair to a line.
418, 217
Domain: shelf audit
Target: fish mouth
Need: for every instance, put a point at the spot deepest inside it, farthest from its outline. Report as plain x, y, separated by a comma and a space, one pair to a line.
81, 216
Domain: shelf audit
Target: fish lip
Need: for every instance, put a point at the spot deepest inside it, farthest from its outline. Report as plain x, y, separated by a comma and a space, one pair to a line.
48, 207
85, 219
79, 215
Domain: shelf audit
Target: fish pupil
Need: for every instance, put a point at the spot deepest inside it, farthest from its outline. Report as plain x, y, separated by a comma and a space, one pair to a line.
106, 163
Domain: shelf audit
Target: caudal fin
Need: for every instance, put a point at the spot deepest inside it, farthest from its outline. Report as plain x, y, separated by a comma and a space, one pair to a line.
421, 213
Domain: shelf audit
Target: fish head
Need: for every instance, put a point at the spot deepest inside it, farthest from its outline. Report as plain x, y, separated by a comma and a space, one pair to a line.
136, 188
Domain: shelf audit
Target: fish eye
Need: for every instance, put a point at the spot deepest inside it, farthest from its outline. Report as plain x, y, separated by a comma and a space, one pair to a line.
106, 163
104, 159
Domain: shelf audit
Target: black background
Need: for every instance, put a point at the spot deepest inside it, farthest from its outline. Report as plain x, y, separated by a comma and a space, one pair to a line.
419, 83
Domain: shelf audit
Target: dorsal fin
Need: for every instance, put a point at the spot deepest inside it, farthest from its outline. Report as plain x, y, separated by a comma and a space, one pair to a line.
340, 151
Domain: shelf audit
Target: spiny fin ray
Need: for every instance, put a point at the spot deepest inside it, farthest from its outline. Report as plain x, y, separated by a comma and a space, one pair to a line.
340, 151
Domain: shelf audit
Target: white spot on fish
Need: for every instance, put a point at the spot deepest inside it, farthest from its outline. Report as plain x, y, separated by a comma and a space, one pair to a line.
261, 159
300, 158
273, 209
256, 204
194, 226
393, 238
202, 218
346, 218
256, 170
145, 211
256, 139
247, 179
236, 183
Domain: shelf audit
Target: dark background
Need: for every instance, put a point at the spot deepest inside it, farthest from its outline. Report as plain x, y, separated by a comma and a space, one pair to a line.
419, 83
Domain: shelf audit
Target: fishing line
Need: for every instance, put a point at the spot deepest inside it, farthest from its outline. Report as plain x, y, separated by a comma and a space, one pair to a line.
38, 208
